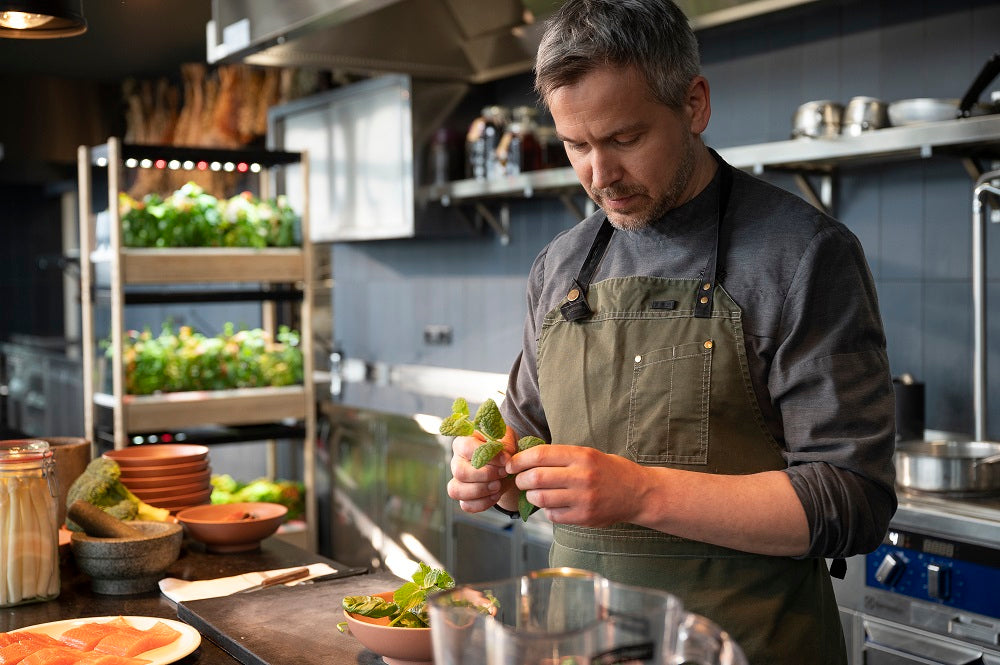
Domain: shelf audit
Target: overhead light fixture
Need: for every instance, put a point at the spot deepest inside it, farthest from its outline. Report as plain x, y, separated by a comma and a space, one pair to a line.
41, 19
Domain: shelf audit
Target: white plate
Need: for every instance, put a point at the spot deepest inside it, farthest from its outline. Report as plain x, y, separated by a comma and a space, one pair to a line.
187, 642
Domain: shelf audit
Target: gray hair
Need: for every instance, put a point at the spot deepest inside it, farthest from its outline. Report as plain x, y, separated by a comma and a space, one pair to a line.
651, 35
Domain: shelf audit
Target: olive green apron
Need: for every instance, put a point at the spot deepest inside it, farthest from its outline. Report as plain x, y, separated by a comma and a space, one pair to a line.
658, 374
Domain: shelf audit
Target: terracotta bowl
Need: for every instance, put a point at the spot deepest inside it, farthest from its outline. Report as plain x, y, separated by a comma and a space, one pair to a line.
168, 492
164, 470
232, 527
178, 501
72, 455
158, 454
397, 646
119, 566
203, 478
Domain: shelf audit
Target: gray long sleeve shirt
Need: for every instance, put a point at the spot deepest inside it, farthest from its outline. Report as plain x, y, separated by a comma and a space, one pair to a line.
814, 338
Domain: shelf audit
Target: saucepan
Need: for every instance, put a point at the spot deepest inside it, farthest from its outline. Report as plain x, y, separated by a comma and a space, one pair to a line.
927, 109
959, 467
817, 119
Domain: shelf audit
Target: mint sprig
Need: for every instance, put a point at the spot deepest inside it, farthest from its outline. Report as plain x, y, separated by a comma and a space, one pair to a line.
491, 425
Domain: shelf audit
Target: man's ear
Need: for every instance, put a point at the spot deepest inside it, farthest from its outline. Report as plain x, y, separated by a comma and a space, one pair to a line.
699, 104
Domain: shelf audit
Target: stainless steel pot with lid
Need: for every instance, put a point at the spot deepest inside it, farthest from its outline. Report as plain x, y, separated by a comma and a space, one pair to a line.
817, 119
954, 467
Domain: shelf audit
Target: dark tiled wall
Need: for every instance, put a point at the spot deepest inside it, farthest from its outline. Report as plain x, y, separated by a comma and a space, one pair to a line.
913, 217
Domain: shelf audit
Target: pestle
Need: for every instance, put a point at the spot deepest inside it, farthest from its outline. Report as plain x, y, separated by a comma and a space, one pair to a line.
98, 524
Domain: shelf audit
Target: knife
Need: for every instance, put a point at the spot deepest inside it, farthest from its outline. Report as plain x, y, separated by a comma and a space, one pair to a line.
346, 572
280, 578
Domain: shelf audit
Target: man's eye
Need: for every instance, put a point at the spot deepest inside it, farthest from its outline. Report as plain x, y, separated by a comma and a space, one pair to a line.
626, 140
576, 147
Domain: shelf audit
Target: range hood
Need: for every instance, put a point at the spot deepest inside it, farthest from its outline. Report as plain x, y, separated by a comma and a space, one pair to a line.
469, 40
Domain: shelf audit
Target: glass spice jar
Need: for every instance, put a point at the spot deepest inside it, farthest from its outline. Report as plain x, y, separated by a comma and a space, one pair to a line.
482, 140
29, 539
519, 150
553, 152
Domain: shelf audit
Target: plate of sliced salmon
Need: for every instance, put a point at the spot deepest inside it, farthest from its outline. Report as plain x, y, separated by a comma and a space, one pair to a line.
112, 640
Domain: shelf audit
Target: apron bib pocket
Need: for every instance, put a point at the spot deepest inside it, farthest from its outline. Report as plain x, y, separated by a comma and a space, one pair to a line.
675, 432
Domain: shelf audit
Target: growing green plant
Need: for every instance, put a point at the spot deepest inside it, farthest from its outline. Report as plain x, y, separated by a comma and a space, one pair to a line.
491, 425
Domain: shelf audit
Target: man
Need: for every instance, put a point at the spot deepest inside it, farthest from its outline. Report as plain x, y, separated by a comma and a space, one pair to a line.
705, 354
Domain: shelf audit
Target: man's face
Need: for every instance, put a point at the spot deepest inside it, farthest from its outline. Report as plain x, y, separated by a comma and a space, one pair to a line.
633, 155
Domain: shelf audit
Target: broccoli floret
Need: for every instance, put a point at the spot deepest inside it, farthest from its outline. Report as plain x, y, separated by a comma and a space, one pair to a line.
99, 485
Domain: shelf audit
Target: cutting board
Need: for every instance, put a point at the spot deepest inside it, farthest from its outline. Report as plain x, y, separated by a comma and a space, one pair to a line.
296, 624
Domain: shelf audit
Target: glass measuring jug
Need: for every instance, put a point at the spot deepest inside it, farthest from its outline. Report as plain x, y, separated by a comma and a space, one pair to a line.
566, 616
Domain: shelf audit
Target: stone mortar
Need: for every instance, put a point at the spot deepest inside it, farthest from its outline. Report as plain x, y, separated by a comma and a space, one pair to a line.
119, 566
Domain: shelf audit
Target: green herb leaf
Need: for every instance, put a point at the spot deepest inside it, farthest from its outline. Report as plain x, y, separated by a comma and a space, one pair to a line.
486, 452
489, 421
524, 507
528, 442
369, 606
460, 405
456, 424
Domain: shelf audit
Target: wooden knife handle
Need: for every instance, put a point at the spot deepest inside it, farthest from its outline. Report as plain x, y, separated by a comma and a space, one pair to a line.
289, 576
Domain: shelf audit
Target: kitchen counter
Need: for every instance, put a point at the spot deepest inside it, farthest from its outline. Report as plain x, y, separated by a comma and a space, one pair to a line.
77, 600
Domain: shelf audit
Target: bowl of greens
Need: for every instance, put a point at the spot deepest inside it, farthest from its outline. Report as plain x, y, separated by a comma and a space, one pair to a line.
396, 624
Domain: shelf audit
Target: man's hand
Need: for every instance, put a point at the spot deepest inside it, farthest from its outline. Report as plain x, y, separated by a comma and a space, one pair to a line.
578, 485
475, 489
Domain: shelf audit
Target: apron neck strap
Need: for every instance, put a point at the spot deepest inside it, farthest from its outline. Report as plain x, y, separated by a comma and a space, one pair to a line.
706, 289
576, 306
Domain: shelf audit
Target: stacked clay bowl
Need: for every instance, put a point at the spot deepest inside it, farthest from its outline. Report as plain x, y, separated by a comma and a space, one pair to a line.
174, 476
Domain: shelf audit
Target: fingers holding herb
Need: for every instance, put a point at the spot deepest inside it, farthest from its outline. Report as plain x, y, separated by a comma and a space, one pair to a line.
489, 424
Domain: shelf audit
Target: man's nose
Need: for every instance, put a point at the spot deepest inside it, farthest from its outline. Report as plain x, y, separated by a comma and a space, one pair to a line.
605, 169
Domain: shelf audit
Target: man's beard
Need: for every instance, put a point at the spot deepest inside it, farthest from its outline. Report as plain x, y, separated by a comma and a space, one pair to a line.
669, 200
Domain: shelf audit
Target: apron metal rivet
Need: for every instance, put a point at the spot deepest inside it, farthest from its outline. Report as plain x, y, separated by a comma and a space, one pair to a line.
703, 300
708, 344
638, 359
706, 286
573, 294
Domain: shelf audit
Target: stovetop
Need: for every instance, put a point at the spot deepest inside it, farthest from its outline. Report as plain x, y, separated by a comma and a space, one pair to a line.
974, 519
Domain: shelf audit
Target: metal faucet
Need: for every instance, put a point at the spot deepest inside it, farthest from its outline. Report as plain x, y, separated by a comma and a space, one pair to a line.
984, 187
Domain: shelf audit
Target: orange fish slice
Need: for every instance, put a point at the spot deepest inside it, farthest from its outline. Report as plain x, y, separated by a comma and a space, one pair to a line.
86, 636
108, 659
53, 656
18, 651
130, 641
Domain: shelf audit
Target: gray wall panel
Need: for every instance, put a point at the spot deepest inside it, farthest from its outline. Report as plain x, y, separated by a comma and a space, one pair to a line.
913, 218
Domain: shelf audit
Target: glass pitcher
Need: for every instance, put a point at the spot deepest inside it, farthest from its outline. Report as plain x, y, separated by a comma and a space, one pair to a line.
566, 616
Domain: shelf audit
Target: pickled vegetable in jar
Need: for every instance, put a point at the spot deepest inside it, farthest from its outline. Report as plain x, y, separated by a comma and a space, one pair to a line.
29, 537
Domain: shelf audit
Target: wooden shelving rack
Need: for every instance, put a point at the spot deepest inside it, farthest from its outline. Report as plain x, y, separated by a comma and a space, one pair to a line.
277, 272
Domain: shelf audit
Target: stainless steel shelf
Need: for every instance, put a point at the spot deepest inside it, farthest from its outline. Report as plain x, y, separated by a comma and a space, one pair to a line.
966, 137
